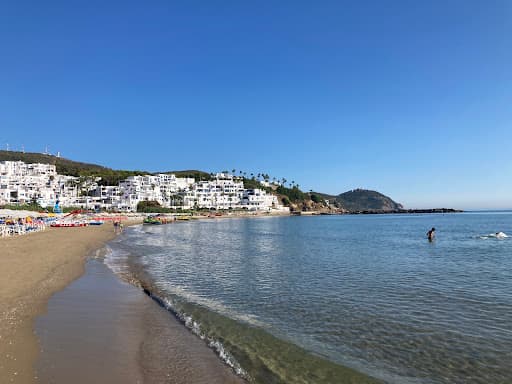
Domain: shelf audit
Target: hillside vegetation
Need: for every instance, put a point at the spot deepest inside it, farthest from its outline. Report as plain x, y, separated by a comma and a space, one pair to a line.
71, 168
365, 200
360, 200
197, 175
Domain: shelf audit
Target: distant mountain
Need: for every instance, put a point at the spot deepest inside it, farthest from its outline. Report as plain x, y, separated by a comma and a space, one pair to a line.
361, 200
365, 200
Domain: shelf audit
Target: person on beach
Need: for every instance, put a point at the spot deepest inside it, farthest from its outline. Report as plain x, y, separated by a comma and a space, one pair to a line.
431, 234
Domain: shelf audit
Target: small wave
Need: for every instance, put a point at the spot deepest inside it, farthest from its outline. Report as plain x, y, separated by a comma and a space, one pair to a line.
195, 328
100, 253
137, 228
497, 235
115, 259
211, 304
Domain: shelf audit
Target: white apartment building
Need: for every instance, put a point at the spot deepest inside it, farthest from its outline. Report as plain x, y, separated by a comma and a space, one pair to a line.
224, 191
162, 188
106, 197
259, 200
22, 183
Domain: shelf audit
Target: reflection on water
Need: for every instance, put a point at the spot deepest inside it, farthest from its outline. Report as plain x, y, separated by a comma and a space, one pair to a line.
369, 292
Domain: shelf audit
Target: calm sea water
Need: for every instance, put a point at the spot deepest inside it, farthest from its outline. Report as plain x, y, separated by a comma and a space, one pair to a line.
296, 299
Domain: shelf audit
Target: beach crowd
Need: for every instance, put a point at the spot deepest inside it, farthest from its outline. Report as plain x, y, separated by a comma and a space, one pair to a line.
10, 226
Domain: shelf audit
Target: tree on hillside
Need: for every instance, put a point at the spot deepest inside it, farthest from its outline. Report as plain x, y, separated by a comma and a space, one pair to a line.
315, 198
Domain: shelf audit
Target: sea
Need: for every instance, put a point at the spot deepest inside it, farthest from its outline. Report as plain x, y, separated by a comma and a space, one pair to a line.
334, 299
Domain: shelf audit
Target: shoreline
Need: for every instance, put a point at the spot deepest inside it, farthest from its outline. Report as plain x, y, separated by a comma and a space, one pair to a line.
86, 330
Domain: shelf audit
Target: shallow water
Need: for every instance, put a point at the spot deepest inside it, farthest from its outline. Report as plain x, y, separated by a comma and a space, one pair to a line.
297, 296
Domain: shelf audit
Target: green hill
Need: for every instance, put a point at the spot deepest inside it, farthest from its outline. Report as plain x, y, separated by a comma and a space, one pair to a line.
365, 200
64, 166
69, 167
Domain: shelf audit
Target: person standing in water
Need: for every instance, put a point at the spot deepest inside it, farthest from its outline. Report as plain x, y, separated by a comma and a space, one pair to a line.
431, 234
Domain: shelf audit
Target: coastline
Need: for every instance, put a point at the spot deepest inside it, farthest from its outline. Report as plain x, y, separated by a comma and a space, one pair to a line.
32, 269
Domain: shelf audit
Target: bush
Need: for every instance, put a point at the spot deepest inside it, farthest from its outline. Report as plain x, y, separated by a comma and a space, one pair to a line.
293, 194
315, 198
155, 207
23, 207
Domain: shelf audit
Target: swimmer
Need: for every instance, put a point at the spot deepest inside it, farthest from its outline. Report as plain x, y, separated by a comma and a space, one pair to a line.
431, 234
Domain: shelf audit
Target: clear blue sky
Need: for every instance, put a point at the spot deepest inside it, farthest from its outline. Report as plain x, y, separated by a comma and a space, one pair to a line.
410, 98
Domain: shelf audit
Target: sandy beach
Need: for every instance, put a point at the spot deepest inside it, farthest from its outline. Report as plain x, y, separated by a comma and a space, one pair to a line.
90, 327
32, 268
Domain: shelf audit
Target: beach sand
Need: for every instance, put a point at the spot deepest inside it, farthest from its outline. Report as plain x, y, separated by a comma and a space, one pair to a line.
97, 329
32, 268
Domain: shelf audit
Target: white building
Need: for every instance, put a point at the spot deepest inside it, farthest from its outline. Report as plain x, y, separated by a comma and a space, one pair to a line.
22, 183
163, 188
224, 191
106, 197
259, 200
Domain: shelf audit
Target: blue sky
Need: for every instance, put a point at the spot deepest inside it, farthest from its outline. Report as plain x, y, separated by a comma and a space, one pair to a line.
410, 98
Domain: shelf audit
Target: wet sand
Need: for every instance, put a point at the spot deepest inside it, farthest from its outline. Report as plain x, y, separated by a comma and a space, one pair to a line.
100, 329
32, 268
